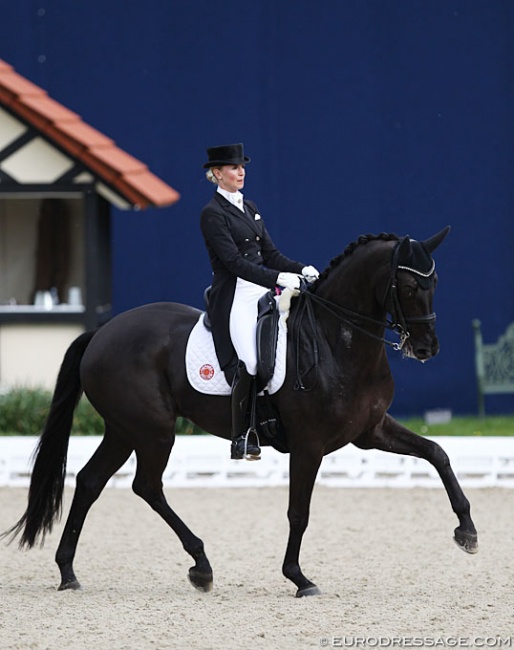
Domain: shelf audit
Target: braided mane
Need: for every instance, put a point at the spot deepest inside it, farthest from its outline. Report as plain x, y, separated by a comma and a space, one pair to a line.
361, 241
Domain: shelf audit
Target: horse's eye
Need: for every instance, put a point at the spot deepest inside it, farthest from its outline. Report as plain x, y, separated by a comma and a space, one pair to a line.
409, 291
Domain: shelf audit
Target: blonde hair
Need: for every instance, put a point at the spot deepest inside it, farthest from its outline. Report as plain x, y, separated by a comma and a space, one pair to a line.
209, 174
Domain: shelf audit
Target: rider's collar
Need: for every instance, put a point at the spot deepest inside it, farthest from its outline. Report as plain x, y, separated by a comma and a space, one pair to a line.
236, 198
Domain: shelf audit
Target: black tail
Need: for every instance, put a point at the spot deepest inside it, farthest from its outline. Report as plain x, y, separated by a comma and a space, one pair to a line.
47, 480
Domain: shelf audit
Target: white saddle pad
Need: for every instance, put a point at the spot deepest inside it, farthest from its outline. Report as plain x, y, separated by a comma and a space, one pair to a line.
204, 372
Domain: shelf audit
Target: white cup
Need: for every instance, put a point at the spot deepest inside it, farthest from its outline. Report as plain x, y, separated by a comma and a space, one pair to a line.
74, 296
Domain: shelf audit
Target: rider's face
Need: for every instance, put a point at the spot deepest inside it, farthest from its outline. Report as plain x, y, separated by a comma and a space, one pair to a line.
231, 177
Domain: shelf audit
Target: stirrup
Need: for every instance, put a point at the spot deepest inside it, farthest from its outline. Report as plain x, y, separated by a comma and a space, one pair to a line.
242, 449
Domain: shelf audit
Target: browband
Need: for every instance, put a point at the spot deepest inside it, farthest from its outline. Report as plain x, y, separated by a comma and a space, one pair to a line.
424, 275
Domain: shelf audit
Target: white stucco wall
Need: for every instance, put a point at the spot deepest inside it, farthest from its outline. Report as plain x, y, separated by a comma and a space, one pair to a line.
31, 355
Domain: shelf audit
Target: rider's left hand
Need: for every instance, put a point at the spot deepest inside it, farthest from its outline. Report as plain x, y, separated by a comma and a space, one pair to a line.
310, 273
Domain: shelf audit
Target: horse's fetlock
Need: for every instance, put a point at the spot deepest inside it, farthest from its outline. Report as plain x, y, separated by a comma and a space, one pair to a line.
291, 570
64, 559
196, 550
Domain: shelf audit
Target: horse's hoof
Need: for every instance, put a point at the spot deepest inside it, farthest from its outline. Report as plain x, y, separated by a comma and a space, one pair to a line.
201, 581
466, 541
72, 584
311, 590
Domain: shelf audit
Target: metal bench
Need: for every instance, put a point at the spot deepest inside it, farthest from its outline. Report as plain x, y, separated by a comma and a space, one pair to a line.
494, 363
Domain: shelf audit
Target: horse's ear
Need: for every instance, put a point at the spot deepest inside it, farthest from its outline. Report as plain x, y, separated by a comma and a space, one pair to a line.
404, 248
433, 242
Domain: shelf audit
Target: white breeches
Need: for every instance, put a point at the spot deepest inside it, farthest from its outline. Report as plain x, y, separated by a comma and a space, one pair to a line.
243, 322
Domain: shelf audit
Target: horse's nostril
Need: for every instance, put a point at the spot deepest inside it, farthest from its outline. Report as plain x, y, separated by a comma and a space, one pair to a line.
424, 352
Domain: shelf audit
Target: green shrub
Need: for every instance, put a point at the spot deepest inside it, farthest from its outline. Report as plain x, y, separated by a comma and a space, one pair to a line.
23, 412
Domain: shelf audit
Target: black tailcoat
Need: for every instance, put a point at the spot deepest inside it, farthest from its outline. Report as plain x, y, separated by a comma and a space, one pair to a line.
239, 246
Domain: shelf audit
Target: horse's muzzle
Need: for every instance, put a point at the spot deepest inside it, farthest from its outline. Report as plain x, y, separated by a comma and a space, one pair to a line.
424, 349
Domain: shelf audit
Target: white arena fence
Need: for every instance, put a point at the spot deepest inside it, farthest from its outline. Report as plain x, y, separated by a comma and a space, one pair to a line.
203, 461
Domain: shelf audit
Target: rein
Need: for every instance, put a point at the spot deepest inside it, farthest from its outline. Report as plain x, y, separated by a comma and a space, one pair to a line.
398, 324
346, 316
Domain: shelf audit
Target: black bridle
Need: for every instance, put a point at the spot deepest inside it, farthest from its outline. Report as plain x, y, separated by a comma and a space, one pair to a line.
399, 322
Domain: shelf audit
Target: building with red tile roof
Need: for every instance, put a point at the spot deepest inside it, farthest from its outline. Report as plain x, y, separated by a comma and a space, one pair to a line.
118, 176
58, 179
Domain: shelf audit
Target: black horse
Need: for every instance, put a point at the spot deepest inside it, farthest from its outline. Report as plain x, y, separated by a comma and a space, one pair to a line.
132, 370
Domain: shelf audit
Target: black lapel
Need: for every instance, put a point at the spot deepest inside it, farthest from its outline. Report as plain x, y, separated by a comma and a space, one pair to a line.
256, 225
247, 216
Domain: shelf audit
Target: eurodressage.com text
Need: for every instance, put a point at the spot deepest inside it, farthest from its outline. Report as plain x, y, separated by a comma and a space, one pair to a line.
416, 642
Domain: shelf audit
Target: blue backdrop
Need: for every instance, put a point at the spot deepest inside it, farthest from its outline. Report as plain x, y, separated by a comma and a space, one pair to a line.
360, 116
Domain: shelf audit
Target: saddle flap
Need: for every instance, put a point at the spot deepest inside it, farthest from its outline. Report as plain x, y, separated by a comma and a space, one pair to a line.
206, 297
267, 336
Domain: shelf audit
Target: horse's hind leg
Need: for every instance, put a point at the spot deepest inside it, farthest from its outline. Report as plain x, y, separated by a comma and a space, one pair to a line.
107, 459
151, 463
395, 438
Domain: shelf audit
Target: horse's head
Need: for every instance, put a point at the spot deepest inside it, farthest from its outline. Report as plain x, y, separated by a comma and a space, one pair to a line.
413, 281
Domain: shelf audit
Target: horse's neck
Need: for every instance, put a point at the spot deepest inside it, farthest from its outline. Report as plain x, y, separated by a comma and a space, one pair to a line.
342, 333
359, 281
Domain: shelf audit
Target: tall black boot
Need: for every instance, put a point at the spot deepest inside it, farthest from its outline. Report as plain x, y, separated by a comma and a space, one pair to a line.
245, 443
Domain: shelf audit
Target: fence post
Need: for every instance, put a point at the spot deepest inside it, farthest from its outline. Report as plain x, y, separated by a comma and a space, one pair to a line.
479, 366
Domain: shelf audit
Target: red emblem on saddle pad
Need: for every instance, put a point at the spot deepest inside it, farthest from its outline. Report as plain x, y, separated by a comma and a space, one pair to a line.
206, 372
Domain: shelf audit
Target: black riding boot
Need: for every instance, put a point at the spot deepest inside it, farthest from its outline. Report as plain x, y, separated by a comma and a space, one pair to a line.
245, 443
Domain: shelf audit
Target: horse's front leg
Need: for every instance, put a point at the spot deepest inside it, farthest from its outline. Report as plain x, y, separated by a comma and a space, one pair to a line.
303, 468
395, 438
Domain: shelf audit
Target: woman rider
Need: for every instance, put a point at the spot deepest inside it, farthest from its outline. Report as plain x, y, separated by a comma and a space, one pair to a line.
245, 265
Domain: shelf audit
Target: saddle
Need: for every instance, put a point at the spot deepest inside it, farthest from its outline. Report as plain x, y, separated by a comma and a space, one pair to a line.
268, 317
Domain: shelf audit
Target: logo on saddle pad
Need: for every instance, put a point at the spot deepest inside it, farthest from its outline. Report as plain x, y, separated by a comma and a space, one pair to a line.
207, 372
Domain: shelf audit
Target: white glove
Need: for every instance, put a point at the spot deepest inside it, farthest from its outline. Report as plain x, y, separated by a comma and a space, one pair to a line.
310, 273
289, 281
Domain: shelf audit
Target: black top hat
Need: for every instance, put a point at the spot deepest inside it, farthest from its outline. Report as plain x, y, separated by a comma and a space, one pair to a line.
227, 154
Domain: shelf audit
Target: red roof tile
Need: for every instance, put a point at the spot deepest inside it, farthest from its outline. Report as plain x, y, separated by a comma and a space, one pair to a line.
125, 174
85, 136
